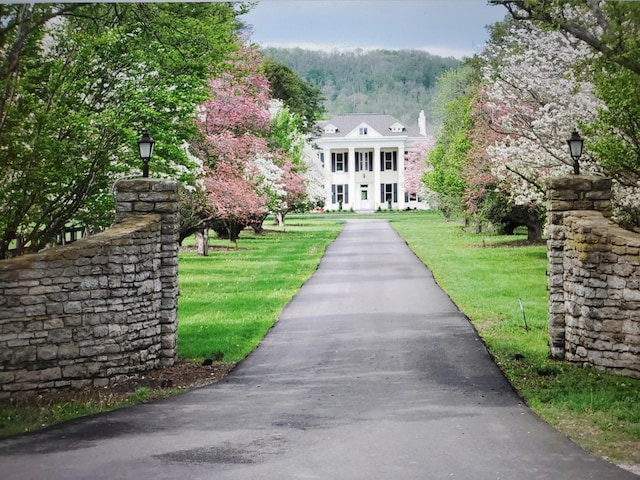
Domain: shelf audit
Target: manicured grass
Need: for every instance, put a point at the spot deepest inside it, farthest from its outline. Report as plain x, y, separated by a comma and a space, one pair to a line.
229, 299
487, 276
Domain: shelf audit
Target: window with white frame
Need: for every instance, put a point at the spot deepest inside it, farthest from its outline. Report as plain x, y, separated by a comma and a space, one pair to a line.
388, 192
339, 193
364, 130
389, 160
364, 161
339, 161
411, 197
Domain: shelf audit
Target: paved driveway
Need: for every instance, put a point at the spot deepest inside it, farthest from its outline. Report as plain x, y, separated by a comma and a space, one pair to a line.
371, 373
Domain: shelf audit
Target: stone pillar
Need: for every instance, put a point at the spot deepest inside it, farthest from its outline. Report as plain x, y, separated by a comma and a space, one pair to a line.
564, 194
144, 196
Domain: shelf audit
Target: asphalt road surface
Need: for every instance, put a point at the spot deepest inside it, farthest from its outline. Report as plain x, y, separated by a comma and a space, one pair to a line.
370, 373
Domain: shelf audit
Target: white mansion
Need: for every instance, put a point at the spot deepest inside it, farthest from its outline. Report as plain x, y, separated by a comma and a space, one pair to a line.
364, 157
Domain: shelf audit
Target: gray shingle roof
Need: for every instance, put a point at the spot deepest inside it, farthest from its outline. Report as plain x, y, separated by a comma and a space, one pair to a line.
378, 121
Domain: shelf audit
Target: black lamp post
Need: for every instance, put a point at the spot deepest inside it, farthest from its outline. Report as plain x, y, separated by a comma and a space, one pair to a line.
145, 147
575, 142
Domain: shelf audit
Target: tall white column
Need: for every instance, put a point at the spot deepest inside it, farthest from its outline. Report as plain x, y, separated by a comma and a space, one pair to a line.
327, 186
401, 204
376, 178
352, 177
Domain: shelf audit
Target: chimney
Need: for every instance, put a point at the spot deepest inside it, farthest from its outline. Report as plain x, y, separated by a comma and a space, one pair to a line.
422, 123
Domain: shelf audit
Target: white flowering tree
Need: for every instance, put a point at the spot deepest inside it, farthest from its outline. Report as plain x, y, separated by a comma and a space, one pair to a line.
534, 98
611, 29
315, 176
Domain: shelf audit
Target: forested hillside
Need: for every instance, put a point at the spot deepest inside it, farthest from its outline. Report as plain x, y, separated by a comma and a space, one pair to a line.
399, 83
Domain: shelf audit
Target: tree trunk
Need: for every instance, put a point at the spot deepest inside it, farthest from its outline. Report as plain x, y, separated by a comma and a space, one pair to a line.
233, 232
280, 219
534, 232
202, 242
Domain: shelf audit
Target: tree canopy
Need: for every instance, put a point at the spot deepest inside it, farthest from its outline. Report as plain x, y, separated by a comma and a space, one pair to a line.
552, 67
300, 97
80, 84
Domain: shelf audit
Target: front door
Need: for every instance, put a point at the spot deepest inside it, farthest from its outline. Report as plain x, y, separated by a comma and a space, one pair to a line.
365, 204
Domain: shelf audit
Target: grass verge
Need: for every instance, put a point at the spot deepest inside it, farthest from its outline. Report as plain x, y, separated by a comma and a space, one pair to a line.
488, 276
38, 412
230, 298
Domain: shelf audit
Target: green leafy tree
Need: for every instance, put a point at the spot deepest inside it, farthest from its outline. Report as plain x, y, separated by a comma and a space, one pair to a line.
80, 84
444, 175
300, 97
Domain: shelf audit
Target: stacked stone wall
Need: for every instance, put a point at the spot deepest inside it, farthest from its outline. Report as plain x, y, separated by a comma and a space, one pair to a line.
594, 278
99, 310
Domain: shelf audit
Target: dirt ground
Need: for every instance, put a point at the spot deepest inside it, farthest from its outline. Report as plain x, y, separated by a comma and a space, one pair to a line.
182, 375
162, 382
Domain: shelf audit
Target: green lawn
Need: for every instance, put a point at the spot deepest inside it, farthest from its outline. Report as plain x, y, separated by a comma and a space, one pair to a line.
229, 299
487, 276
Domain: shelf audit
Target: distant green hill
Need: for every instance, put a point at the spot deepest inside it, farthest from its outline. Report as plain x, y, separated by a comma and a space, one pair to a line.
398, 82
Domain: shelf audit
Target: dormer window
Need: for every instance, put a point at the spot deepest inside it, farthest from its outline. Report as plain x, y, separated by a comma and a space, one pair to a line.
364, 130
330, 129
397, 128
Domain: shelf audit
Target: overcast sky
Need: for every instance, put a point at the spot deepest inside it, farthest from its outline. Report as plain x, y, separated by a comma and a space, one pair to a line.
441, 27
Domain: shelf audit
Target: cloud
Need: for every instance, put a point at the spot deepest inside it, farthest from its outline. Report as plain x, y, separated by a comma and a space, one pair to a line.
448, 28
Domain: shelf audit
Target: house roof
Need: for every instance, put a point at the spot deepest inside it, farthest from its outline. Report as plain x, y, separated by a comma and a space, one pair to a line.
385, 125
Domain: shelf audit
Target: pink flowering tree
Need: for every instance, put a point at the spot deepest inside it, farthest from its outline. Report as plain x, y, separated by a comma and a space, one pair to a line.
415, 167
232, 126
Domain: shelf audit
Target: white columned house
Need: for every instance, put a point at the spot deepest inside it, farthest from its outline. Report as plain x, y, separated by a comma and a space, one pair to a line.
364, 157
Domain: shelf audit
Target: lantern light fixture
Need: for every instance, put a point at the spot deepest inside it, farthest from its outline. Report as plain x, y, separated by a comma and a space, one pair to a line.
145, 148
575, 142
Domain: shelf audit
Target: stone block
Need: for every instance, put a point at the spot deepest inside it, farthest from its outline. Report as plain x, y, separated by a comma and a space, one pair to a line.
101, 331
631, 295
168, 342
18, 342
27, 376
73, 307
47, 352
53, 323
80, 384
60, 336
7, 377
74, 371
134, 185
631, 327
101, 382
68, 351
49, 374
72, 320
123, 207
144, 207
